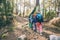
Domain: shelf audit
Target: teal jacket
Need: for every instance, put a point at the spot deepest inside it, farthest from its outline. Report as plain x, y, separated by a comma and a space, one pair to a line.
39, 17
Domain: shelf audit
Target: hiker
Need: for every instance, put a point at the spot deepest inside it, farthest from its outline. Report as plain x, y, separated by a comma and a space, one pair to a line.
34, 21
31, 19
39, 22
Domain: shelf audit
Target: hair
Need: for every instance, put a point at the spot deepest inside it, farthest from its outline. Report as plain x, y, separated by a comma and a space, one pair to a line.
34, 13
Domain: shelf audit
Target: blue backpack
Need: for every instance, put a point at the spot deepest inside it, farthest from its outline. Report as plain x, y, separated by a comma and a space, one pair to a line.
39, 17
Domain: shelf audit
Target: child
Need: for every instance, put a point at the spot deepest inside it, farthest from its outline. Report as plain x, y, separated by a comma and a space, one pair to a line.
39, 18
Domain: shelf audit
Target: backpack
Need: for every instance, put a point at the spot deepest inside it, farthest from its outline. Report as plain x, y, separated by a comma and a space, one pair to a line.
39, 17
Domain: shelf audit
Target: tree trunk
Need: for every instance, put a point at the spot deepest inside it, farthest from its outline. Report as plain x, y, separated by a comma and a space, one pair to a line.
55, 7
24, 9
58, 1
20, 8
37, 2
43, 7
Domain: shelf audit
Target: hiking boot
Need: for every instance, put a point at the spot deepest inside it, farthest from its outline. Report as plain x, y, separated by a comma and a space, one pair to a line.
41, 34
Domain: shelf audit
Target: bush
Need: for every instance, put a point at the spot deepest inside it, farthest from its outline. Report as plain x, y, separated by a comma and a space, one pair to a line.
50, 15
6, 13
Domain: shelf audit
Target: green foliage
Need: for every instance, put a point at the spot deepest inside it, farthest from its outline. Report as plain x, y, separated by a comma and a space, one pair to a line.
4, 36
10, 29
6, 17
50, 15
6, 13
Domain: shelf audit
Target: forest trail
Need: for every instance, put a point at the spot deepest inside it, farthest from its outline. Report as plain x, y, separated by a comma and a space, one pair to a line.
22, 28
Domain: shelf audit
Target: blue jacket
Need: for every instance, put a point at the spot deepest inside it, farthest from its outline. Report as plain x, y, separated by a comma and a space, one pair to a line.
34, 20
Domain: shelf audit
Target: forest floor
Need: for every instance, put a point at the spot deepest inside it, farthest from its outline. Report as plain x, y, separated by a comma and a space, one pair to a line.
21, 28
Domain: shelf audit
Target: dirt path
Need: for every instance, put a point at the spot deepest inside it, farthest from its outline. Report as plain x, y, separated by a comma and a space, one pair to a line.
31, 35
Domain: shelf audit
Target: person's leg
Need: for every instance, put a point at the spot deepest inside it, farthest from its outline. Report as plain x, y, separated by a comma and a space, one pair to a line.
34, 26
41, 29
37, 27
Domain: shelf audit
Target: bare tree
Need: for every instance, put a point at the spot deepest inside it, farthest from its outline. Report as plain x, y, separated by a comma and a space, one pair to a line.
20, 7
58, 1
24, 9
